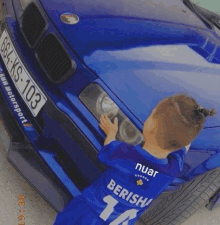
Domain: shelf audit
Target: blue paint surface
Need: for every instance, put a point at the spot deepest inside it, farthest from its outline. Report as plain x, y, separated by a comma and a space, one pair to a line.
139, 52
141, 77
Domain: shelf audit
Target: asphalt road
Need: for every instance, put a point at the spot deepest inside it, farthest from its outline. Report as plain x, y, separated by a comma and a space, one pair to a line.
12, 184
38, 211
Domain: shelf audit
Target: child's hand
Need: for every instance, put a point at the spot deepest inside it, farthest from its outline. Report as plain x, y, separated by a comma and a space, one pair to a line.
107, 126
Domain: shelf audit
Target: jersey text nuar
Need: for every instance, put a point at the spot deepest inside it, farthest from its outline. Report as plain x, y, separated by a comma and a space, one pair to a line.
146, 170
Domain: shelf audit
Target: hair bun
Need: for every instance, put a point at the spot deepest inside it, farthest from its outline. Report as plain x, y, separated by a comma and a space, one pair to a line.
212, 112
207, 112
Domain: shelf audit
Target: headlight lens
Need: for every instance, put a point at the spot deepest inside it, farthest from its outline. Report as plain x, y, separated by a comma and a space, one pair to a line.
105, 105
24, 3
98, 102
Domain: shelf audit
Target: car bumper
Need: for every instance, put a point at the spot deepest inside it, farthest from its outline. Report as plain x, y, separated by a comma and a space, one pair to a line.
30, 162
23, 156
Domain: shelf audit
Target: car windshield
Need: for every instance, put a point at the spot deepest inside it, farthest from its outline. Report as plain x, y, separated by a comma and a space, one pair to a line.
211, 5
209, 12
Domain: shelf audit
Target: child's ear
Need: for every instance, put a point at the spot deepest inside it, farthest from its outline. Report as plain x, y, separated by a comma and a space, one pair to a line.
149, 127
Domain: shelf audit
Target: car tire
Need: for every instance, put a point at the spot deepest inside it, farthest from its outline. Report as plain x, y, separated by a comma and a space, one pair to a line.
173, 208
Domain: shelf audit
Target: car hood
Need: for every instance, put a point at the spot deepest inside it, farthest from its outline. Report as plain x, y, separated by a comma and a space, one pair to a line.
141, 77
120, 24
117, 40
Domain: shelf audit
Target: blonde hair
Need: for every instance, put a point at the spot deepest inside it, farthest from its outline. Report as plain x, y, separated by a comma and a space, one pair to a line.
180, 119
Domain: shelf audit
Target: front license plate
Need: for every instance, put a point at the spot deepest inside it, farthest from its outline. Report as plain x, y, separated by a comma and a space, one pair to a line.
28, 89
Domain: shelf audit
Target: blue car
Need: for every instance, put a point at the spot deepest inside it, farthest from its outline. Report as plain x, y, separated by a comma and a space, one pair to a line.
64, 63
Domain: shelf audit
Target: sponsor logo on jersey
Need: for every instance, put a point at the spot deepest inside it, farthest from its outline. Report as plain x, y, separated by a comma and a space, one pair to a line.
139, 182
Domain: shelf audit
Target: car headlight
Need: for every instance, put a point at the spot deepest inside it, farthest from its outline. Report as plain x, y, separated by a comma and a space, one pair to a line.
105, 105
24, 3
98, 102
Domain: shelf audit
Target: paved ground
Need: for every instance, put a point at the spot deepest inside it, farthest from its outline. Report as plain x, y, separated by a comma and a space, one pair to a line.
38, 212
12, 184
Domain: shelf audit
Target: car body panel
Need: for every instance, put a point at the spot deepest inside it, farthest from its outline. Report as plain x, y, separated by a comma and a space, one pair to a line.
102, 22
141, 77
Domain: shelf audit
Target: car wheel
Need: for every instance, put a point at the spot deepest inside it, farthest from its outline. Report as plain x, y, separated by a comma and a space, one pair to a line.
176, 207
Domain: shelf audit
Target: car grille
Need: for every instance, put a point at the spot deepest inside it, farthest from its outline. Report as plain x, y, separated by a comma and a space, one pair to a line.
33, 24
54, 59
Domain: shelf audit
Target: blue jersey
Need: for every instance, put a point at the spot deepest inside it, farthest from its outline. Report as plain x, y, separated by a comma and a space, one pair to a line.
132, 181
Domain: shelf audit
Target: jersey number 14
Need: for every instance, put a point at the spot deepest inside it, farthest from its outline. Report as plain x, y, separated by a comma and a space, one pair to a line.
111, 203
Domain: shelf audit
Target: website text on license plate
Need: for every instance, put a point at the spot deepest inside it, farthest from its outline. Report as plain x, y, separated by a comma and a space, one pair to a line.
28, 89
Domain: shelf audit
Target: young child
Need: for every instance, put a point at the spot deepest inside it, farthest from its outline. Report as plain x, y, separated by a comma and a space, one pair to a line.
137, 175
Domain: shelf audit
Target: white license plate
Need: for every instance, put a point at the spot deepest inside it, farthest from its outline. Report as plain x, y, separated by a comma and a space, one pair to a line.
28, 89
